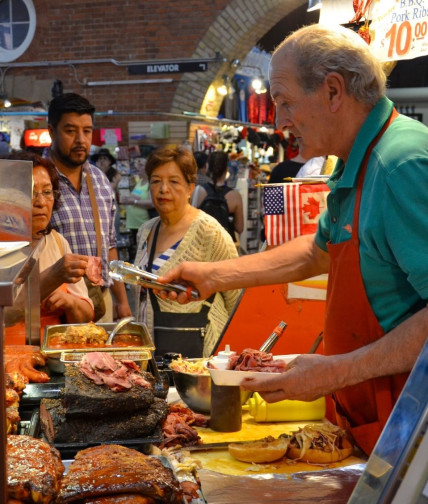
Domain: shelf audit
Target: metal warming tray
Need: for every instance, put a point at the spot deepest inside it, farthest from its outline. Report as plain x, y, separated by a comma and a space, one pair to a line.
53, 353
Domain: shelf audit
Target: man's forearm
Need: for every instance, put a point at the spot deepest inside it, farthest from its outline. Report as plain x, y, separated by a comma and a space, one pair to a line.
118, 288
119, 292
394, 353
295, 260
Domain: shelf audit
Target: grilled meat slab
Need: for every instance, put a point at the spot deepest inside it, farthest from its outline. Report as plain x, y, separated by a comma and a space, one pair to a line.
82, 396
109, 470
58, 427
34, 470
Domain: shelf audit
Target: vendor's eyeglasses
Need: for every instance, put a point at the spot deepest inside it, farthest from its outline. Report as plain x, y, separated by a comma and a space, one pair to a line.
48, 194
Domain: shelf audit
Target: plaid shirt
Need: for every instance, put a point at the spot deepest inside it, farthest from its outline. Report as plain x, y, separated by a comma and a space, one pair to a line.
74, 218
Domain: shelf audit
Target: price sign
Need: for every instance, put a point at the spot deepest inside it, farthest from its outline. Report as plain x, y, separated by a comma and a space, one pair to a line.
399, 29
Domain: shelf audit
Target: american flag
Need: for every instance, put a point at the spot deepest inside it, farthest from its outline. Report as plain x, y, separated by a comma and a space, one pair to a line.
292, 209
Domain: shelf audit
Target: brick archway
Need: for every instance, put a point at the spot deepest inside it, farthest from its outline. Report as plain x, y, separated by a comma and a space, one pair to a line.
234, 33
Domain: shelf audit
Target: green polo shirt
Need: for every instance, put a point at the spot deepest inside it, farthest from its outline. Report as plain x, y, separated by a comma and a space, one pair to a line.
393, 215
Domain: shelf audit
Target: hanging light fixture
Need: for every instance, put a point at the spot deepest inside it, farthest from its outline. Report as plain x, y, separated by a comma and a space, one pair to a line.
3, 96
223, 89
6, 102
314, 5
258, 85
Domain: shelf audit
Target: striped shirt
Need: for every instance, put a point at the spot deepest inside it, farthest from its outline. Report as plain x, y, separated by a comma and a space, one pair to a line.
75, 221
159, 261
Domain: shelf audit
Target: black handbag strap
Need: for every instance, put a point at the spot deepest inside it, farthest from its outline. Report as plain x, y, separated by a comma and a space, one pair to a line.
205, 308
153, 298
153, 246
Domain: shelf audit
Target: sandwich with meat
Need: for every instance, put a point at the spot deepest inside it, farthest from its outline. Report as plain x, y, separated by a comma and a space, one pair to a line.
314, 444
319, 444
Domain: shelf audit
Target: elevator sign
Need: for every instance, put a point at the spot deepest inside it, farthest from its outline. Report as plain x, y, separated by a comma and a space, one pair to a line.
168, 67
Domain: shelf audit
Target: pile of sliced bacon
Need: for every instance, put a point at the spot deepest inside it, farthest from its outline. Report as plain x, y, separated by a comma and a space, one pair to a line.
254, 360
118, 375
177, 428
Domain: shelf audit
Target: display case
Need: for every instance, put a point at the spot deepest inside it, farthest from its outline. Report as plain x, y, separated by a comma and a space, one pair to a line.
19, 307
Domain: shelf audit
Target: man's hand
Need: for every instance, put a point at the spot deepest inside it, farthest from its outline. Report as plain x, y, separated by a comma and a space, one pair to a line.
307, 378
198, 275
123, 310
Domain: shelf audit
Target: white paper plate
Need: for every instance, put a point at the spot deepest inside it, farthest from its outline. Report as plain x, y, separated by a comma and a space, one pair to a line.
230, 377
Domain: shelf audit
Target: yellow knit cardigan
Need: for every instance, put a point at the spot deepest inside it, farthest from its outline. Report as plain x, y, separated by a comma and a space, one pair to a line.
205, 240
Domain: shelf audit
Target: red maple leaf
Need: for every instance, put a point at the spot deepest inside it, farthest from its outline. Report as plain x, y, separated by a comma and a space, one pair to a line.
312, 207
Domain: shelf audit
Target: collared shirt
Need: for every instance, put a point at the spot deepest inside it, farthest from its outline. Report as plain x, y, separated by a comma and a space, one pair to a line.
393, 221
75, 221
202, 178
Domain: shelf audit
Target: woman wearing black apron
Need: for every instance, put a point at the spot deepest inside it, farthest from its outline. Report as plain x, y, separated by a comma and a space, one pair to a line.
181, 233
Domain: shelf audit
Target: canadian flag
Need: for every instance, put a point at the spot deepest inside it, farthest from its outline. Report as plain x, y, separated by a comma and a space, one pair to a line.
292, 209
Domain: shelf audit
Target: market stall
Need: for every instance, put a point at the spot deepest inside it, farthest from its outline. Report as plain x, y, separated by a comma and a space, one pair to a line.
52, 384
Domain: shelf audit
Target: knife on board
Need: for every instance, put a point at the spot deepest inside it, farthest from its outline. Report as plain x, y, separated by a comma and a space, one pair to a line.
214, 446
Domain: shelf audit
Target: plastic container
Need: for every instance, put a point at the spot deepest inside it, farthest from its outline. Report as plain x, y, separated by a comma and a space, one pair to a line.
226, 409
221, 360
285, 411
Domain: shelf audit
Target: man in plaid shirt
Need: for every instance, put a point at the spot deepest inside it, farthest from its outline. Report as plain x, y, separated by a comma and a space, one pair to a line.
70, 122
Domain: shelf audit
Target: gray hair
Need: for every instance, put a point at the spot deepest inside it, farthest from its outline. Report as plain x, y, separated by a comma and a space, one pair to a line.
318, 50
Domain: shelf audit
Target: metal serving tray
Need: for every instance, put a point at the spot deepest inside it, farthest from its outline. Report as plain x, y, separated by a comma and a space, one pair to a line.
53, 354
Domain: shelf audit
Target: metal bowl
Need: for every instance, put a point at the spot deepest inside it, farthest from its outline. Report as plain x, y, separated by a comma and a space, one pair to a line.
195, 390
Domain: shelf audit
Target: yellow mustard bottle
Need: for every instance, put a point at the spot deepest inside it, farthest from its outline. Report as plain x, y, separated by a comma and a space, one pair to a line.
285, 411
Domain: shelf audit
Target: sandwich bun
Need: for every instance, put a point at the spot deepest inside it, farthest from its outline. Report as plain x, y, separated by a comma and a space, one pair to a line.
264, 450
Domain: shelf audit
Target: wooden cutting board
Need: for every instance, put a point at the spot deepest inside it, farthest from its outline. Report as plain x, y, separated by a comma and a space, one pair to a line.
220, 461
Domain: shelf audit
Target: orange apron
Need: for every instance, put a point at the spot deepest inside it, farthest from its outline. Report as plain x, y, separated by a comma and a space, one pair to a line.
362, 409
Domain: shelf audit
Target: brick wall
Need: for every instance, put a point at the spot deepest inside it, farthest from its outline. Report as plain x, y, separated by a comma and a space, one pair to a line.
139, 30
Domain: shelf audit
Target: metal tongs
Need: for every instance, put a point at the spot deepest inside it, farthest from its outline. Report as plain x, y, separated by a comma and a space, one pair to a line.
273, 337
130, 274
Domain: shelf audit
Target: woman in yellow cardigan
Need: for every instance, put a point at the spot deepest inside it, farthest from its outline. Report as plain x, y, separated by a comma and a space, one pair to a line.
181, 233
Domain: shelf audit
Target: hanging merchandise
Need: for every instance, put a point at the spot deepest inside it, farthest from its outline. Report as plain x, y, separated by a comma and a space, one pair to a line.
230, 103
242, 98
261, 109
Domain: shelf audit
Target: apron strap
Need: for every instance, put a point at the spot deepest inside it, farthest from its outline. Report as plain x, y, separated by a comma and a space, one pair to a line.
361, 175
